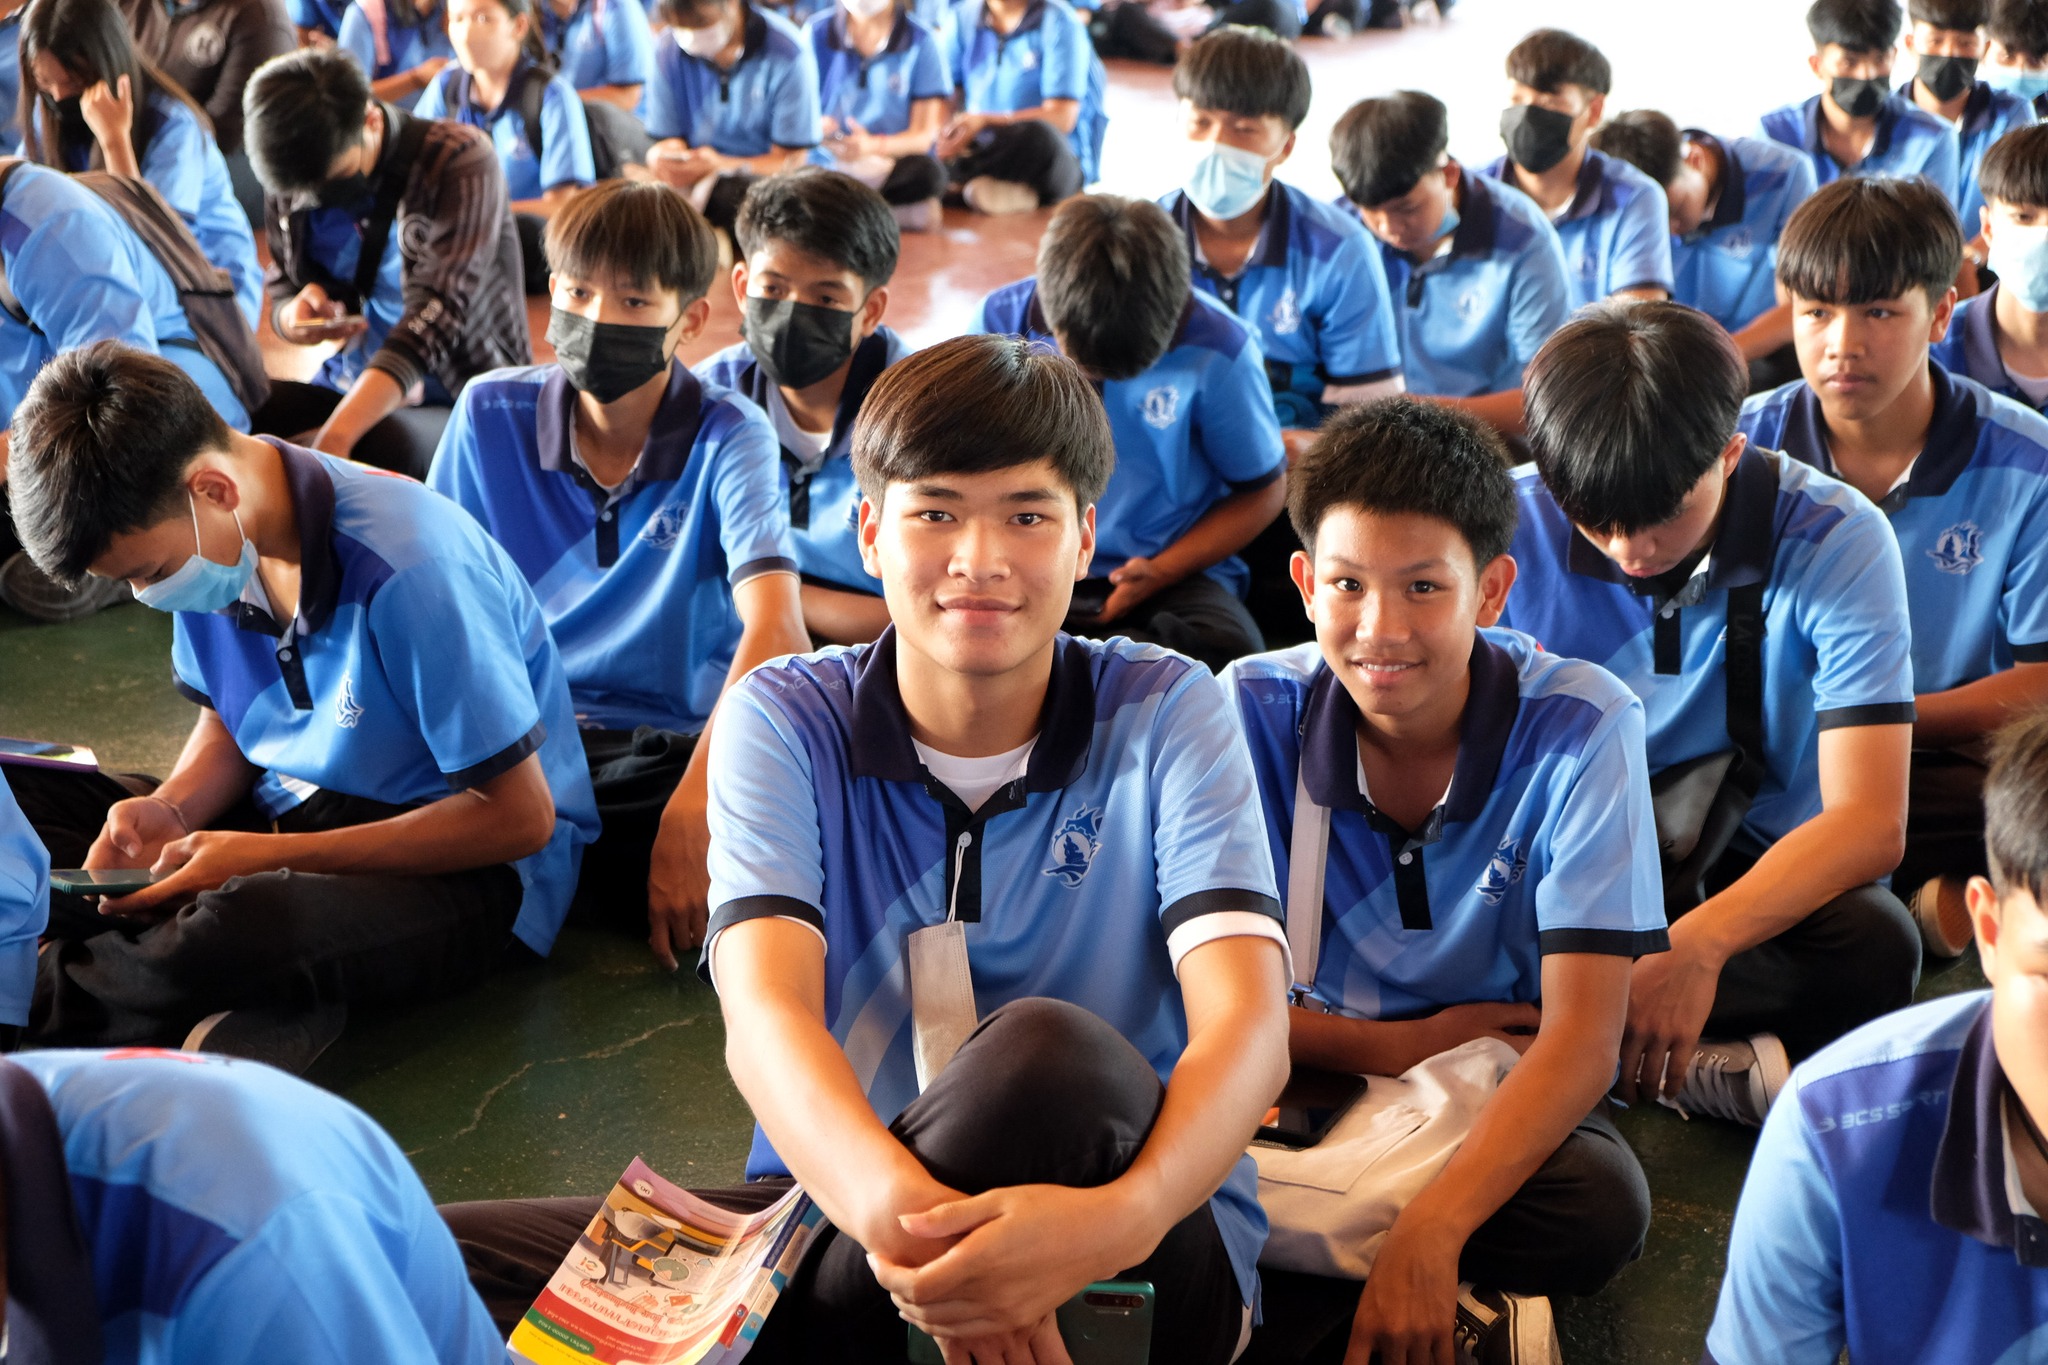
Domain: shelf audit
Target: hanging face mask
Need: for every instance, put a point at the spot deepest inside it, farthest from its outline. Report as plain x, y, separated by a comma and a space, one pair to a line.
2019, 256
200, 584
1857, 97
798, 344
1227, 181
704, 43
2016, 80
344, 192
868, 9
606, 360
1947, 77
1537, 138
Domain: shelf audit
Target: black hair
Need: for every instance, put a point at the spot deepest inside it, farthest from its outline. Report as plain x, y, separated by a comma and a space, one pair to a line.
1408, 455
99, 448
2016, 807
1113, 281
1855, 25
91, 40
1550, 58
634, 230
301, 111
696, 13
1870, 237
2019, 26
1647, 140
1381, 147
1963, 16
2015, 170
976, 404
825, 214
1244, 71
1629, 404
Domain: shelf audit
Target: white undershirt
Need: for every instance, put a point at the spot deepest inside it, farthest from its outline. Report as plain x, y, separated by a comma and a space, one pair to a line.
975, 780
807, 446
2036, 390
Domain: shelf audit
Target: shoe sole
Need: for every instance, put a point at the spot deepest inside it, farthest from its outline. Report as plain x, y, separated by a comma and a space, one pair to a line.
1774, 1068
1944, 922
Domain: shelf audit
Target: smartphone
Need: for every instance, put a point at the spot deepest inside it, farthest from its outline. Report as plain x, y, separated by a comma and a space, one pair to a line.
42, 753
1309, 1107
112, 881
1108, 1323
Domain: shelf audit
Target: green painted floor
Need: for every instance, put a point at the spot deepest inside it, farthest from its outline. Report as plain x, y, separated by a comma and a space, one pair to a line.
552, 1078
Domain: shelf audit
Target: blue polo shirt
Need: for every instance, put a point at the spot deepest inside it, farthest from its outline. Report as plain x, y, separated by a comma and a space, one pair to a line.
636, 582
1971, 517
1971, 348
334, 238
1543, 844
318, 16
565, 157
234, 1215
602, 42
1727, 267
822, 495
1472, 317
1048, 56
1191, 431
769, 98
1880, 1213
1988, 115
1910, 141
24, 906
10, 78
408, 47
1836, 625
1312, 292
82, 275
1616, 231
875, 92
1136, 818
419, 665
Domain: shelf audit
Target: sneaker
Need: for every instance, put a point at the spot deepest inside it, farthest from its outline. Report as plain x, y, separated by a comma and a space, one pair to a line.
288, 1039
1336, 26
1494, 1328
1943, 914
1734, 1080
35, 594
996, 198
926, 215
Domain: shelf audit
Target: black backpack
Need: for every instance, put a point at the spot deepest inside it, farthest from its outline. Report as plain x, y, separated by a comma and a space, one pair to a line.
616, 137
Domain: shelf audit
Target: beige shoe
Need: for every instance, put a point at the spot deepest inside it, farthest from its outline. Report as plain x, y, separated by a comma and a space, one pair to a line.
1943, 913
926, 215
986, 194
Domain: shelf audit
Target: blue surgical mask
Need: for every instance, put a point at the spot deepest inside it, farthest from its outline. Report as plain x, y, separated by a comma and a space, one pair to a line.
1227, 181
2019, 257
1450, 223
2018, 80
200, 584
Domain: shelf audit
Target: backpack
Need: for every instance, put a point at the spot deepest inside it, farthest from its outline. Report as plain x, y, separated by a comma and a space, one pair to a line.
616, 137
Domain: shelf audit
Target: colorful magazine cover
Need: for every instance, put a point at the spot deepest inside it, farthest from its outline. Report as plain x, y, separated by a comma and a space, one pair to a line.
661, 1277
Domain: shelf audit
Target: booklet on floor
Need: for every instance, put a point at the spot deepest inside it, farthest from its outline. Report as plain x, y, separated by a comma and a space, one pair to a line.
661, 1277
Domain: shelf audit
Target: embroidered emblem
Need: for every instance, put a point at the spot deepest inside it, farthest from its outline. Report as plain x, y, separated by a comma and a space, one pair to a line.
1286, 314
1736, 242
346, 712
1074, 846
1959, 549
1162, 405
1503, 870
665, 528
1470, 304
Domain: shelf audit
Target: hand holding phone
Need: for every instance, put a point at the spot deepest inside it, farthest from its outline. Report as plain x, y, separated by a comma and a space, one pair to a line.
109, 881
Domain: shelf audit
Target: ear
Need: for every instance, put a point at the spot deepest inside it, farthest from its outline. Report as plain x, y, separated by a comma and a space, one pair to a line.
1731, 454
1813, 65
870, 526
1984, 223
1452, 173
1495, 581
693, 320
210, 483
739, 284
1286, 150
1595, 111
1302, 570
1944, 309
1982, 899
1087, 557
870, 316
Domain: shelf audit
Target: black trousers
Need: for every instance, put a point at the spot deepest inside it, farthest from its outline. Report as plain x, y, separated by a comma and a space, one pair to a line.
276, 939
533, 256
634, 772
1197, 616
1043, 1092
1129, 29
914, 179
1944, 819
1032, 153
403, 442
1570, 1229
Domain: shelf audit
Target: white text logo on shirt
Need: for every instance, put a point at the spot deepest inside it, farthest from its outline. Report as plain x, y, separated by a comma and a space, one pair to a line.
1162, 405
1074, 846
1736, 242
1959, 549
1503, 870
1286, 314
346, 712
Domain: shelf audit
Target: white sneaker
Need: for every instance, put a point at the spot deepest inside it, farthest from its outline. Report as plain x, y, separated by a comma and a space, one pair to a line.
1494, 1328
926, 215
996, 198
1734, 1080
1943, 913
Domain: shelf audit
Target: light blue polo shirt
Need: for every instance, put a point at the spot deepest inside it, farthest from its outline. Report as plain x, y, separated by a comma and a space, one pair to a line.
1988, 115
1049, 56
1471, 318
822, 495
1835, 651
1136, 816
1910, 141
318, 16
636, 583
1315, 295
1191, 431
1544, 843
24, 906
1879, 1212
235, 1215
565, 157
1616, 231
1971, 517
602, 42
1727, 267
419, 666
875, 92
1971, 348
82, 275
408, 46
10, 78
769, 98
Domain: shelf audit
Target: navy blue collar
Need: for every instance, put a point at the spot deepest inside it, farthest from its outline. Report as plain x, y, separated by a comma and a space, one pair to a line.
1731, 197
52, 1313
1976, 107
870, 358
1270, 249
1887, 118
1946, 453
1968, 1189
467, 110
1475, 231
1034, 15
1980, 341
900, 35
670, 438
312, 490
1743, 548
1590, 195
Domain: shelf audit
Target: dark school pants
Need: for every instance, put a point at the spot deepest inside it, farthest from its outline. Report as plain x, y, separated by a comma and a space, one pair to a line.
1570, 1229
1944, 820
277, 939
1043, 1092
1129, 29
404, 442
634, 773
1031, 152
1197, 616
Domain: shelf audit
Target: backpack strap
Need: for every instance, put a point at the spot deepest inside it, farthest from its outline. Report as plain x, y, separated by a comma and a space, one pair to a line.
1743, 670
532, 94
408, 135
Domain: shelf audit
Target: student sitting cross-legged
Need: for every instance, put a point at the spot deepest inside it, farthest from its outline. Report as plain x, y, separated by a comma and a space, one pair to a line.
644, 505
885, 89
2000, 337
1072, 828
1961, 473
1491, 871
1030, 99
1758, 608
383, 787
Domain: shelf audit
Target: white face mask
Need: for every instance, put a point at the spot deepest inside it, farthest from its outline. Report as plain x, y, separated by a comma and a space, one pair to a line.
868, 9
704, 43
2019, 256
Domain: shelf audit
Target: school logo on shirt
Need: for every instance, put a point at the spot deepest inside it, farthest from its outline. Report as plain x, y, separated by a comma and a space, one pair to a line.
899, 84
1736, 242
1027, 59
1162, 405
346, 712
1503, 870
665, 529
1959, 549
1470, 304
1286, 314
1074, 846
205, 45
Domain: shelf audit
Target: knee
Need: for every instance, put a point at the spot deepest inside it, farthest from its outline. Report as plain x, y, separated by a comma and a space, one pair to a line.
918, 178
1617, 1218
1881, 944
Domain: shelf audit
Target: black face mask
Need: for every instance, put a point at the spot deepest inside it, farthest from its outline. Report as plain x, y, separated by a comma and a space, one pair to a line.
798, 344
1537, 138
606, 360
1947, 77
72, 129
1857, 97
346, 192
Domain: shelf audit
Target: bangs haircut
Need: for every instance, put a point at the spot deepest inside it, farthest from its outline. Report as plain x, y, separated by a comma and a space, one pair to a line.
1113, 282
1381, 148
1629, 404
825, 214
1645, 139
1871, 237
1244, 71
1550, 58
636, 232
1405, 455
2019, 26
977, 404
2016, 807
1855, 25
1962, 16
694, 13
2015, 170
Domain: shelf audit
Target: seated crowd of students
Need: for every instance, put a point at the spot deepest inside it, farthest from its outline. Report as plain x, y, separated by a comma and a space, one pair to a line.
1591, 609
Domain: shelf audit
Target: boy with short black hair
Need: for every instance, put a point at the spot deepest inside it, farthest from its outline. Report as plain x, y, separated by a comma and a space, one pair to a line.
1201, 468
2000, 337
1948, 38
1893, 1203
2016, 51
818, 250
1962, 475
1856, 125
1487, 873
1611, 218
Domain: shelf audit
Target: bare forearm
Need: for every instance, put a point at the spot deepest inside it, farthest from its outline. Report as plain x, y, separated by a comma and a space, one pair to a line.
1836, 851
1771, 331
374, 396
210, 776
840, 617
1502, 411
506, 819
1363, 1047
1972, 711
1223, 530
119, 153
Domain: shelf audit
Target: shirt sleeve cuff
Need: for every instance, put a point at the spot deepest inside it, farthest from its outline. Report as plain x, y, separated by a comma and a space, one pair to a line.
1193, 933
500, 763
756, 907
2030, 654
754, 568
1270, 477
1879, 713
1630, 943
191, 693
